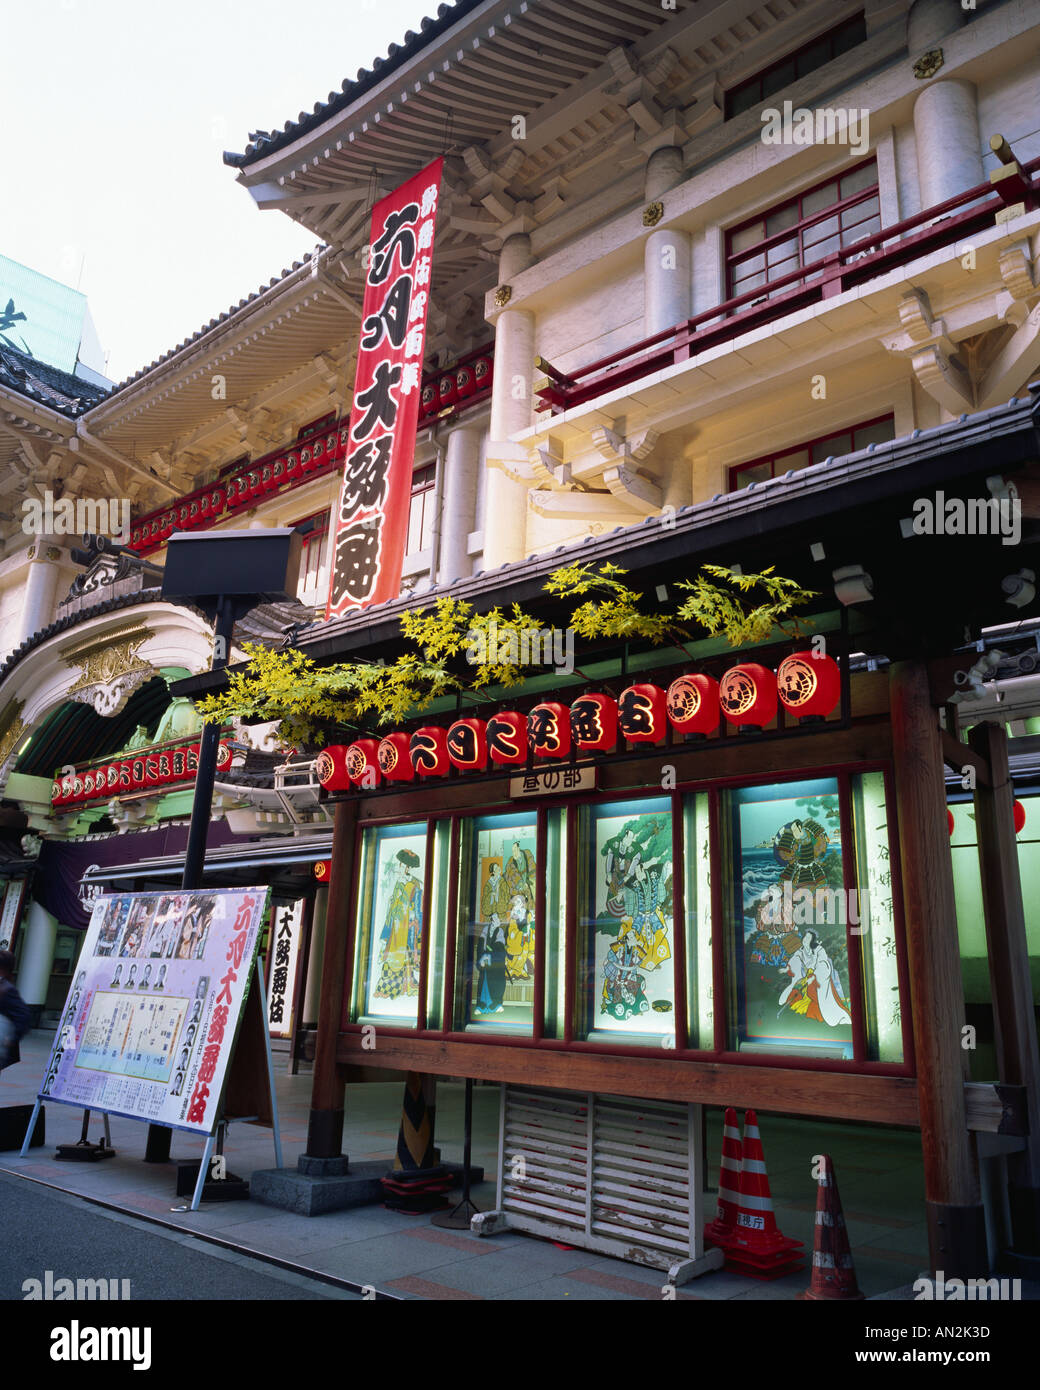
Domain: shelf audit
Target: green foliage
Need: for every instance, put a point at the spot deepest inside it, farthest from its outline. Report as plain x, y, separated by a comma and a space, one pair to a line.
458, 650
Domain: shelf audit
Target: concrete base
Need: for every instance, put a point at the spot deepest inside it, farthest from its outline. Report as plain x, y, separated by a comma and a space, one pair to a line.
312, 1194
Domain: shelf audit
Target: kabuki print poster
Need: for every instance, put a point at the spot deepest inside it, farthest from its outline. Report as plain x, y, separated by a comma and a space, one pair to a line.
150, 1022
371, 520
792, 952
391, 923
629, 925
499, 959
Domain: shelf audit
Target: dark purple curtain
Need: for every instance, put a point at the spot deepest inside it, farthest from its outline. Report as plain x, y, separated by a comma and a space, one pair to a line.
62, 864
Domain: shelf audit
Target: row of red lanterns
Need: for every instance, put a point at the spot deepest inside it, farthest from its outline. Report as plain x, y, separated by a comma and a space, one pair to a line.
146, 770
252, 483
455, 385
808, 686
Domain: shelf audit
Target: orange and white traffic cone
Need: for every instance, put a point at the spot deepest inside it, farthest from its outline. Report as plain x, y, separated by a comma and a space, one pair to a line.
757, 1246
833, 1273
720, 1231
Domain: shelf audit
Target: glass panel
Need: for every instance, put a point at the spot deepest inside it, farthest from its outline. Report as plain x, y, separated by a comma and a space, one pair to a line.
700, 990
865, 177
779, 77
820, 198
777, 271
878, 433
849, 34
876, 927
746, 286
832, 447
784, 918
821, 249
627, 983
745, 238
438, 922
495, 956
782, 251
744, 98
555, 921
390, 924
781, 219
865, 229
817, 233
756, 474
859, 213
814, 56
797, 458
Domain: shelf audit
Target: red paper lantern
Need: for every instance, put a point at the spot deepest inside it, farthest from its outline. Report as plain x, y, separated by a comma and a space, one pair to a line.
429, 400
393, 760
322, 870
151, 770
747, 695
594, 722
224, 756
428, 751
137, 772
165, 768
1019, 813
79, 792
467, 744
507, 738
55, 793
447, 389
361, 762
950, 820
809, 685
126, 772
307, 461
330, 767
482, 373
642, 713
112, 778
293, 467
465, 382
192, 760
549, 730
692, 703
179, 763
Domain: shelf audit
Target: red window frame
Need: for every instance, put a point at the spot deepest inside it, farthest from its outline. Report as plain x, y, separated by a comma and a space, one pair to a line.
317, 524
804, 252
808, 445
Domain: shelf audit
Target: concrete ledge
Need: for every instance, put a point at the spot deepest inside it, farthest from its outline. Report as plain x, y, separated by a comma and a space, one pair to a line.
313, 1194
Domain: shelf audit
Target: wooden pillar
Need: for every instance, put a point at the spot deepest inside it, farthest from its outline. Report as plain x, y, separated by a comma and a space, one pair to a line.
1018, 1056
325, 1128
956, 1224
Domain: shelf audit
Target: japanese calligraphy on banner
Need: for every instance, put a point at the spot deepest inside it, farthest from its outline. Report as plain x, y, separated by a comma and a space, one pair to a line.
371, 521
281, 985
10, 915
150, 1022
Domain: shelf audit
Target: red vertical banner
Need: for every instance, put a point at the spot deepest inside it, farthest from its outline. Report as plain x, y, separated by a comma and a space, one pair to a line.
371, 521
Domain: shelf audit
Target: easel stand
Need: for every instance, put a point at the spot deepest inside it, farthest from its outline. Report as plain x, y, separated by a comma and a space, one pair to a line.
83, 1151
459, 1217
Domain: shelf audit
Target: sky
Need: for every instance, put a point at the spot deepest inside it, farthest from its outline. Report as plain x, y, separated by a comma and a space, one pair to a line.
113, 118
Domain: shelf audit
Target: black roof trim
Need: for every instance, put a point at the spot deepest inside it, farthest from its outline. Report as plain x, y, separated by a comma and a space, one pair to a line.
49, 386
264, 142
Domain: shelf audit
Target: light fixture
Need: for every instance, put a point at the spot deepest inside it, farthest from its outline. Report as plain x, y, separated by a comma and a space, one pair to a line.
1020, 588
852, 584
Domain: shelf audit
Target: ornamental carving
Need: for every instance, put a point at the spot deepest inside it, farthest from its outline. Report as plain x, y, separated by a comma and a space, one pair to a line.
929, 64
652, 214
110, 671
503, 295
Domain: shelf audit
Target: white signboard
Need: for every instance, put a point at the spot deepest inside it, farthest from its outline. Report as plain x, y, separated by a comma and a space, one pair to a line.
286, 924
150, 1022
9, 915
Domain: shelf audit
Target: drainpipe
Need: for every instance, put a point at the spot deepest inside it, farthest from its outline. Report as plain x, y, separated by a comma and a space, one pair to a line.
139, 471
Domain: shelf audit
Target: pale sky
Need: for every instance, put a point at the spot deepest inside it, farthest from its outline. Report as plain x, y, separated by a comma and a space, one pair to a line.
113, 118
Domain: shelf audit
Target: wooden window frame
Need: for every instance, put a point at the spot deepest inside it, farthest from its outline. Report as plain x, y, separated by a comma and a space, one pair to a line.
736, 469
758, 79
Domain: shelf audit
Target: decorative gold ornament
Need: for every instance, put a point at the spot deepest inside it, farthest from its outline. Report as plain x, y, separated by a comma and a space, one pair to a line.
929, 63
30, 552
52, 553
109, 670
503, 295
11, 731
652, 214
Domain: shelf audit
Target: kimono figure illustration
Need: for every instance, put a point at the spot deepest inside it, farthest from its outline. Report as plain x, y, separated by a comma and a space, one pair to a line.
491, 961
776, 941
623, 862
401, 936
798, 847
519, 940
491, 893
517, 877
815, 990
623, 993
649, 923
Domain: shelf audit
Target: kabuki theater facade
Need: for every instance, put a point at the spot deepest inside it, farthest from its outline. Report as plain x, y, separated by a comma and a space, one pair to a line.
607, 283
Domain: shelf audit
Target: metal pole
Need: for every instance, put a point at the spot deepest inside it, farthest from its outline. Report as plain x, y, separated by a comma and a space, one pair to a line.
157, 1146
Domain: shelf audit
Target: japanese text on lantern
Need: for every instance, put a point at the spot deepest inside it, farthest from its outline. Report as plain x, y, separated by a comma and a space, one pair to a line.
372, 517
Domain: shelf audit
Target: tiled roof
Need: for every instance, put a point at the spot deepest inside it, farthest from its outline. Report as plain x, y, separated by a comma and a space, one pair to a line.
214, 323
49, 386
265, 142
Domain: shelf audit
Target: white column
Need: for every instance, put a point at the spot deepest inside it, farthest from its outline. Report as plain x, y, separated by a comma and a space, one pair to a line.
34, 967
312, 985
505, 501
41, 585
458, 502
668, 253
946, 132
930, 21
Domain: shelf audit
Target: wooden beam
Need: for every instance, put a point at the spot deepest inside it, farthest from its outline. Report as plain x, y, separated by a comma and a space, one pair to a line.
956, 1225
959, 756
827, 1095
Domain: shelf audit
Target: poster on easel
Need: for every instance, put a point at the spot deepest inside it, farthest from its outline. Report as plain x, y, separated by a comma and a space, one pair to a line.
150, 1022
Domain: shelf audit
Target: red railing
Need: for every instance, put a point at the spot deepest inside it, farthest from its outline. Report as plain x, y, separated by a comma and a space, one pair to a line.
822, 279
